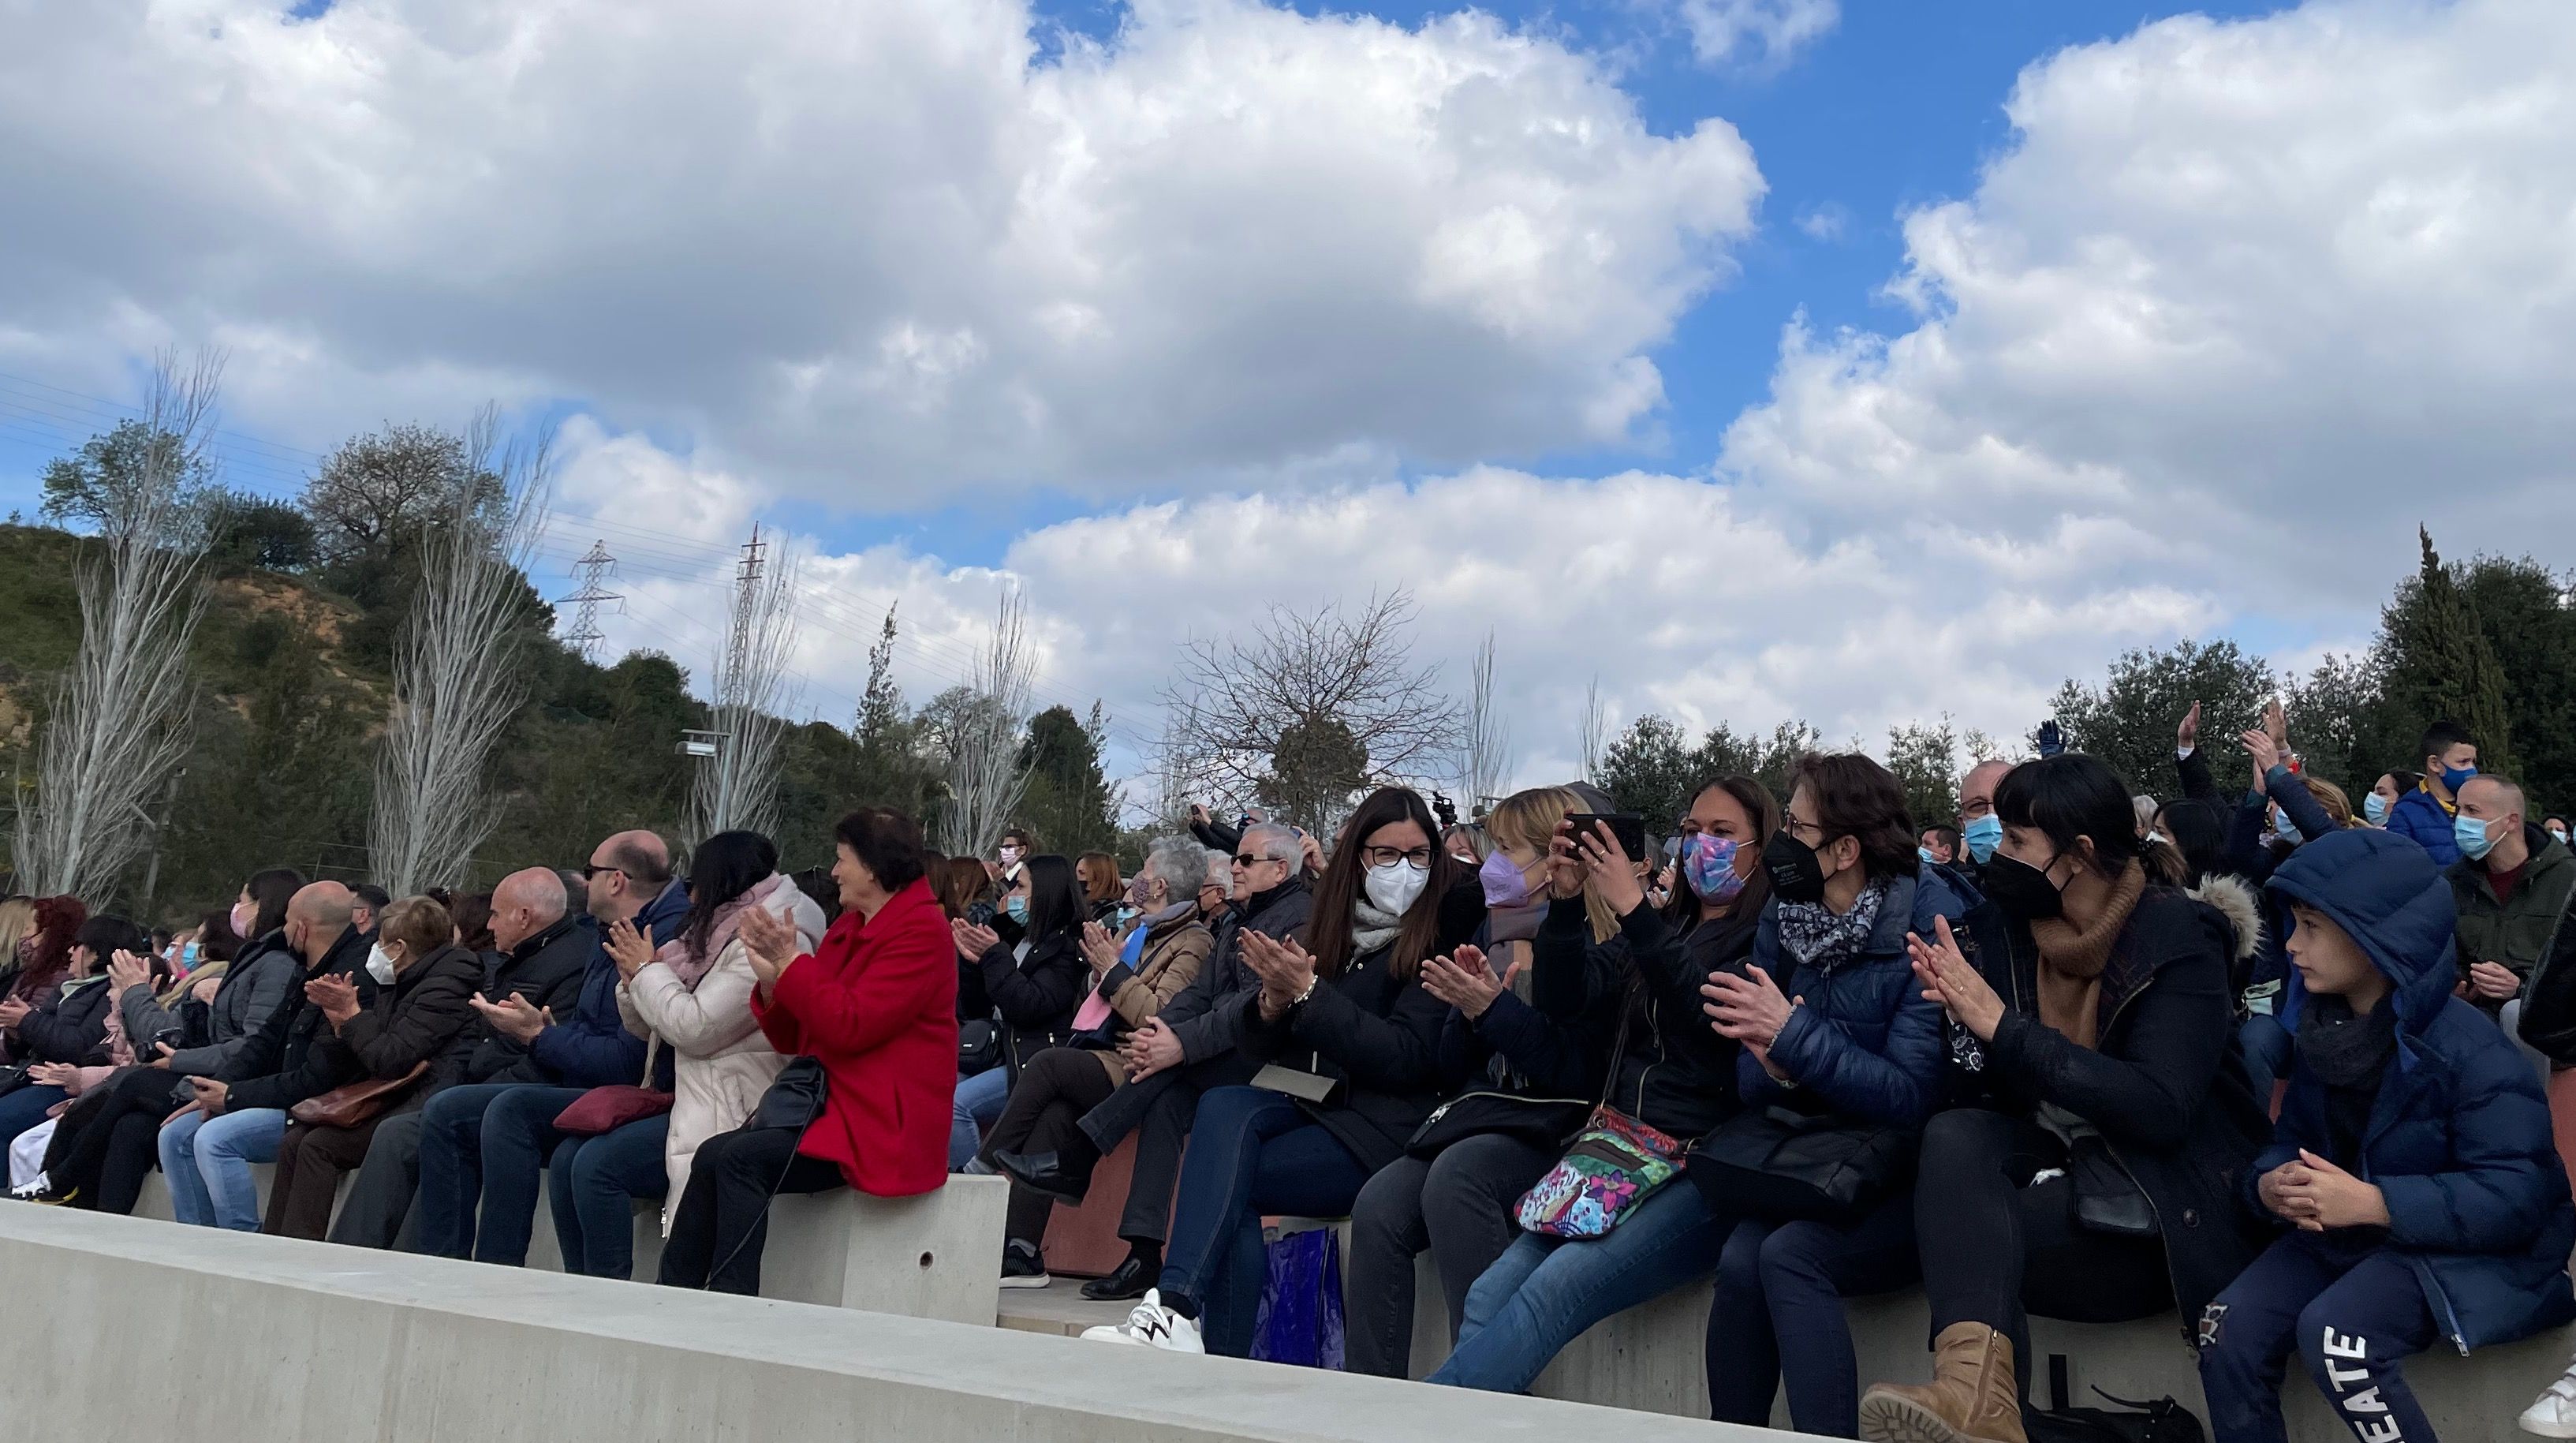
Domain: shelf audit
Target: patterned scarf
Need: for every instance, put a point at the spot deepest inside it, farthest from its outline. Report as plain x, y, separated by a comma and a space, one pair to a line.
1814, 937
1371, 927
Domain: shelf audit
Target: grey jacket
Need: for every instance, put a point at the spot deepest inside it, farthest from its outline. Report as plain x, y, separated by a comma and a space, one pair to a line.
253, 987
1207, 1016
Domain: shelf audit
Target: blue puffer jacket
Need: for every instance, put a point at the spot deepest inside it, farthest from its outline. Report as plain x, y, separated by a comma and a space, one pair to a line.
2421, 816
2458, 1142
1863, 1042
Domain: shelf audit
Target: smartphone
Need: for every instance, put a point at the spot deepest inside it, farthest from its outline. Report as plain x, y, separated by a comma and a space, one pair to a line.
1628, 827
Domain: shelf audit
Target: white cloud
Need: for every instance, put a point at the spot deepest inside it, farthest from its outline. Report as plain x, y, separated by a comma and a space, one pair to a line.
1755, 32
1828, 222
873, 250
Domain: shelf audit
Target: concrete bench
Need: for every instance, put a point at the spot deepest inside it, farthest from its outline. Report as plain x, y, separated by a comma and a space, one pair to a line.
932, 1256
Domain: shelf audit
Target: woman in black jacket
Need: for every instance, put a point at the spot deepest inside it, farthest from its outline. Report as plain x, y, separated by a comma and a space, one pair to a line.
68, 1024
1351, 1045
2093, 1175
1032, 987
421, 1018
1667, 1069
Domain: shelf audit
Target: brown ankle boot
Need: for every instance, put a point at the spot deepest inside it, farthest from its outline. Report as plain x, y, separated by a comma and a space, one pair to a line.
1971, 1398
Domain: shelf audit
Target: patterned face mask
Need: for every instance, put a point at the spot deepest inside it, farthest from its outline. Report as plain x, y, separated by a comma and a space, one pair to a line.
1708, 864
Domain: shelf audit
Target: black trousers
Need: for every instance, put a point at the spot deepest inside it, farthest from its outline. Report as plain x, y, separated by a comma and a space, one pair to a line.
723, 1219
1997, 1248
1159, 1110
1459, 1207
1044, 1114
380, 1199
110, 1140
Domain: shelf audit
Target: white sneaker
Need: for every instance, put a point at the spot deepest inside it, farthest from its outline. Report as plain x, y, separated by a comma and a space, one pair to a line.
2553, 1415
1151, 1325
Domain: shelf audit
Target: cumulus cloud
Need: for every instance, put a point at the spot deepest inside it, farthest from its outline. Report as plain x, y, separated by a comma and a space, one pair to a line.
874, 250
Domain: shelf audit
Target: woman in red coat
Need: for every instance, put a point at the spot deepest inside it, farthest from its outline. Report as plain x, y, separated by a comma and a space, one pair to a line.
876, 1005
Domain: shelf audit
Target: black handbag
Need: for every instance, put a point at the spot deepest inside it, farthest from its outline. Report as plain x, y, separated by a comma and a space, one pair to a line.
795, 1097
2160, 1421
979, 1046
1546, 1123
2107, 1199
1789, 1166
13, 1078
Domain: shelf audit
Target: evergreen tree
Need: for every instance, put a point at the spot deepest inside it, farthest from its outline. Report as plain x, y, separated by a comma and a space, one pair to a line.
2129, 720
2522, 609
1069, 805
2436, 663
1648, 769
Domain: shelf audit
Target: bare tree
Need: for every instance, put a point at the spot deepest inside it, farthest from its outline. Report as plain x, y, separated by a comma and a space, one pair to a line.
1485, 759
457, 674
986, 778
1311, 708
118, 727
1595, 726
737, 788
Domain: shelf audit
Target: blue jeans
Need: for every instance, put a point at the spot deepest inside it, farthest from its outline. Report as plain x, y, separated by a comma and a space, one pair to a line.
1779, 1313
25, 1108
208, 1163
1251, 1152
487, 1141
2265, 1046
1544, 1292
2352, 1314
979, 1106
592, 1185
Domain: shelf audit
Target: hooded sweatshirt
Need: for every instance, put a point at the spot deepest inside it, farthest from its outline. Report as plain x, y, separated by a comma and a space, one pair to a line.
2457, 1135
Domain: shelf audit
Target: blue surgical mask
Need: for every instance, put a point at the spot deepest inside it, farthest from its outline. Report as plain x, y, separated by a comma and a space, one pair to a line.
2374, 809
1926, 854
2455, 778
1018, 907
1984, 835
2472, 837
2281, 827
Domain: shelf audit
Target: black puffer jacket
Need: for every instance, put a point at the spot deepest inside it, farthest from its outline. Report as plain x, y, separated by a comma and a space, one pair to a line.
1207, 1015
1675, 1073
2163, 1082
1375, 1033
290, 1067
425, 1016
548, 970
68, 1026
1035, 997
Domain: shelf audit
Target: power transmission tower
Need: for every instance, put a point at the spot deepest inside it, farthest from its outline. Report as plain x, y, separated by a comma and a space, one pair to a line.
739, 751
594, 566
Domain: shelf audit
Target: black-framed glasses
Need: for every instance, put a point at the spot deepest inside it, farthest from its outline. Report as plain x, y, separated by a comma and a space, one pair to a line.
1417, 857
1254, 859
591, 873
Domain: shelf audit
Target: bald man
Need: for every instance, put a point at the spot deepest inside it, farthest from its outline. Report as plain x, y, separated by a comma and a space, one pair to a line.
2511, 883
1979, 827
484, 1146
231, 1124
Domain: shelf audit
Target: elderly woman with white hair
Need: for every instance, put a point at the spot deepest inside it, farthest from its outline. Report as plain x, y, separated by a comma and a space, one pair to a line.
1133, 974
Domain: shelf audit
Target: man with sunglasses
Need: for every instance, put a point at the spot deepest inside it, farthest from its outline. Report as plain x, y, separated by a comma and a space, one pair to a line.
1186, 1049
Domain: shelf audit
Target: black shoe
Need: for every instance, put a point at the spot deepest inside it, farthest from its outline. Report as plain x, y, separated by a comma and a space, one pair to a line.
1022, 1267
1129, 1283
1046, 1172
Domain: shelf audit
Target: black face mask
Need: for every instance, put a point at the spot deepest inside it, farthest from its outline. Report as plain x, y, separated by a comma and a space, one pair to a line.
1796, 873
2022, 889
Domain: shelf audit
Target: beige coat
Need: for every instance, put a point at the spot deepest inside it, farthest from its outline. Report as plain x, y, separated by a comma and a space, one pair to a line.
723, 1063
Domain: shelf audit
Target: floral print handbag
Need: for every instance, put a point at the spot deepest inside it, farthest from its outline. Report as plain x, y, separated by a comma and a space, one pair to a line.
1615, 1163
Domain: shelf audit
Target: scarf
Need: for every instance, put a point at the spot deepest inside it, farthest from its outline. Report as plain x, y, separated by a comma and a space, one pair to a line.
2072, 951
690, 967
1371, 928
1814, 937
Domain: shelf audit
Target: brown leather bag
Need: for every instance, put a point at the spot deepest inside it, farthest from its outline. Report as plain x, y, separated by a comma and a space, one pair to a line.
357, 1103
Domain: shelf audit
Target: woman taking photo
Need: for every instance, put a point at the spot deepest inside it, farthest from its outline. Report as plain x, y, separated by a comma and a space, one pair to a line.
691, 1001
875, 1008
421, 1015
1673, 1073
2096, 1177
1031, 985
1348, 1022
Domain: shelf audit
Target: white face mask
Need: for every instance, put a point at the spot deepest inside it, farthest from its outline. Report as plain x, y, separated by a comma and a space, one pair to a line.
380, 966
1009, 855
1394, 886
2155, 839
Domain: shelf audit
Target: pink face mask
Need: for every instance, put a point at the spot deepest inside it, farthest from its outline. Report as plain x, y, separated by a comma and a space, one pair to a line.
1504, 884
244, 914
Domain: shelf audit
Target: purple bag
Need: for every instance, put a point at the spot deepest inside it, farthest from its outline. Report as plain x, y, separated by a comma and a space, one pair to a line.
1300, 1319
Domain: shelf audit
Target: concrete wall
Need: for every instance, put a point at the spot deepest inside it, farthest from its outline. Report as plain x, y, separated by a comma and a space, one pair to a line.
196, 1334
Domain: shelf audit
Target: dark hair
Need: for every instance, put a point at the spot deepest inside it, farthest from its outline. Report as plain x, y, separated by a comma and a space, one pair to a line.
58, 921
2441, 736
2072, 795
1855, 797
819, 888
886, 842
1328, 931
1947, 836
1056, 904
373, 897
270, 891
1026, 841
216, 941
107, 936
958, 881
724, 867
1105, 885
2197, 834
1682, 910
2406, 781
472, 913
642, 866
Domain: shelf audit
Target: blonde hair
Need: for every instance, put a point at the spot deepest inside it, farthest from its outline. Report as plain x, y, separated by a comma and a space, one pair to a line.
2330, 797
17, 919
1530, 819
418, 923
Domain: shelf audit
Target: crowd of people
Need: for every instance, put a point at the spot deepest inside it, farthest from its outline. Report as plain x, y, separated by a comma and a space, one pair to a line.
2096, 1049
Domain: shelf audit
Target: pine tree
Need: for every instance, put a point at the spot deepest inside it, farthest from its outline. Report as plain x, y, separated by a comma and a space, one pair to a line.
2439, 664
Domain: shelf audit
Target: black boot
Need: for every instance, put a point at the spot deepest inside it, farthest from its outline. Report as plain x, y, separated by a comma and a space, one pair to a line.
1060, 1175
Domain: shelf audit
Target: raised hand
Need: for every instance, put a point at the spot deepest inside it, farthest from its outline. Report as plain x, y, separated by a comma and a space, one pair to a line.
1466, 981
1951, 980
2187, 735
1610, 869
125, 970
629, 949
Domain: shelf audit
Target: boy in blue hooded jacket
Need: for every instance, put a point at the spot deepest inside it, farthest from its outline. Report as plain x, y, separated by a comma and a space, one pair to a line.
2412, 1164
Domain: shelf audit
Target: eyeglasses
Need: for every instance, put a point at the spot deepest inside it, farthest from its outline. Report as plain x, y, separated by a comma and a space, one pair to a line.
1417, 857
1798, 827
1254, 859
591, 872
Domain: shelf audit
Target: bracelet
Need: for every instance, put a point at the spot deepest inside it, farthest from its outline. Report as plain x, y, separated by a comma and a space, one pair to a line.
1311, 984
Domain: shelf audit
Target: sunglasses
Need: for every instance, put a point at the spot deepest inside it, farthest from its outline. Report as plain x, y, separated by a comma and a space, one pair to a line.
591, 873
